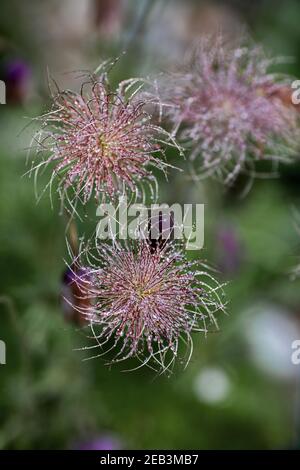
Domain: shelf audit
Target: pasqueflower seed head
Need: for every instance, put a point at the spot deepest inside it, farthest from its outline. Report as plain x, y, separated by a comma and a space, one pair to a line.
226, 109
145, 301
101, 142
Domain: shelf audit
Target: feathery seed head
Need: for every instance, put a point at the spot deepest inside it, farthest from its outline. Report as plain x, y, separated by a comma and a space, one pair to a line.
100, 141
226, 109
145, 301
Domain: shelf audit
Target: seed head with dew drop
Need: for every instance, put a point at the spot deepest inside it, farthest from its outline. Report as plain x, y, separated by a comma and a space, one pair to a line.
225, 107
101, 142
145, 302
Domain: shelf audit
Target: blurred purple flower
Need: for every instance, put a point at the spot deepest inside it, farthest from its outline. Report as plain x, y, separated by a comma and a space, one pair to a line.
229, 250
73, 294
102, 442
17, 76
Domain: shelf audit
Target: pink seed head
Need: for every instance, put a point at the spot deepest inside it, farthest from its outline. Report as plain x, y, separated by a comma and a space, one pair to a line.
100, 141
226, 109
145, 301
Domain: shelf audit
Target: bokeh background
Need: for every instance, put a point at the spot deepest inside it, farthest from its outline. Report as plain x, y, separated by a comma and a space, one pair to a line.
240, 390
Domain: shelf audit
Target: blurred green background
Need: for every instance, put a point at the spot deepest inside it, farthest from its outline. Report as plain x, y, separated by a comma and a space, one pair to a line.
240, 390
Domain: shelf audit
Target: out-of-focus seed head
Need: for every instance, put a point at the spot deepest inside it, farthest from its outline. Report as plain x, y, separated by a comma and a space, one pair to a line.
227, 109
144, 302
101, 141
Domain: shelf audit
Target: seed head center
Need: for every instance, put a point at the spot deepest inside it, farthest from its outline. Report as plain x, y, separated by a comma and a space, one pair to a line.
228, 107
143, 291
104, 145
